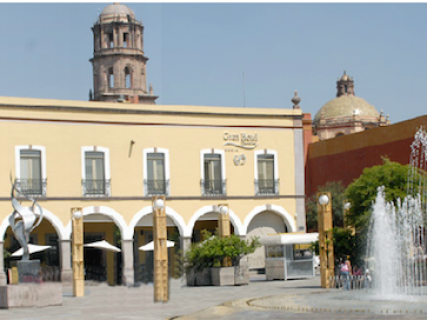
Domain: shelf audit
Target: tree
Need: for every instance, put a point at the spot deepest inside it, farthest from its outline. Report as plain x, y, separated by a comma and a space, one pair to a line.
337, 191
362, 192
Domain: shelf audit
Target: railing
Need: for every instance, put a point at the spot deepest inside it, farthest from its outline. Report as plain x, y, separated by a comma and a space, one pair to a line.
32, 186
266, 186
96, 187
351, 283
213, 187
154, 187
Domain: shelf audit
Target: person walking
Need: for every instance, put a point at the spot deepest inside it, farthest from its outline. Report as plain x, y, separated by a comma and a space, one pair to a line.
346, 272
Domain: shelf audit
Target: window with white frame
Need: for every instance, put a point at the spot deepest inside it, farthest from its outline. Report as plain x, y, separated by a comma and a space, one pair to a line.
213, 180
31, 170
266, 172
156, 171
95, 171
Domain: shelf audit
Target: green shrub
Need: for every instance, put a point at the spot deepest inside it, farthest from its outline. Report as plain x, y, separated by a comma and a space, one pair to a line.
212, 251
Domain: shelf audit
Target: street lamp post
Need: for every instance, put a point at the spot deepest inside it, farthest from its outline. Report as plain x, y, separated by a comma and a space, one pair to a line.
224, 228
326, 244
161, 281
78, 267
347, 206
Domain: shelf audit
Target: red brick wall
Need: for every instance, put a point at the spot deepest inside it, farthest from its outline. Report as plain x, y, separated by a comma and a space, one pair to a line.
344, 158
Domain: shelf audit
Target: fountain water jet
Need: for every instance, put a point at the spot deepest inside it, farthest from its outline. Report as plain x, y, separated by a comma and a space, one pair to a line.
396, 237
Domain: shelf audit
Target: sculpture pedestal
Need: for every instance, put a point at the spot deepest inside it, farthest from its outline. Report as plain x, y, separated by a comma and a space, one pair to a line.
30, 295
29, 271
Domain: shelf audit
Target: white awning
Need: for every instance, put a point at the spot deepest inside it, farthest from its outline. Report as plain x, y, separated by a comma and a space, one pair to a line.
32, 248
103, 245
289, 238
150, 246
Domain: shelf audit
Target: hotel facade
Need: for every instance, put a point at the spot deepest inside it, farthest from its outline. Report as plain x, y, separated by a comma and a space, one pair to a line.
111, 158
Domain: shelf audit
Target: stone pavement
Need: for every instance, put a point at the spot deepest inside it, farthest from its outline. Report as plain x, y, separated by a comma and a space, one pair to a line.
104, 302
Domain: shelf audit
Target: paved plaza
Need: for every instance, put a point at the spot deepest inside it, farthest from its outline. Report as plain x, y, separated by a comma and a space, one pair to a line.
300, 299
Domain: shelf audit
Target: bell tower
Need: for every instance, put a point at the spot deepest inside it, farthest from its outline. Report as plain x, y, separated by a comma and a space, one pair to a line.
119, 62
345, 86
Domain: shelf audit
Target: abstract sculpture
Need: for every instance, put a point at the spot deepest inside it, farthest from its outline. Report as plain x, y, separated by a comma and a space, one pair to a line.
22, 220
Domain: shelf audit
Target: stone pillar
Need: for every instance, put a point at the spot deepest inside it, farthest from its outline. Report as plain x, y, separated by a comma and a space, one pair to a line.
326, 245
185, 244
224, 232
243, 261
3, 280
78, 261
161, 277
127, 263
66, 270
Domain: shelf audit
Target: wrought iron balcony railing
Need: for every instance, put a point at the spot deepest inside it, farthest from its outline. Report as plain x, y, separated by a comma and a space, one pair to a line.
154, 187
266, 186
32, 186
96, 187
213, 187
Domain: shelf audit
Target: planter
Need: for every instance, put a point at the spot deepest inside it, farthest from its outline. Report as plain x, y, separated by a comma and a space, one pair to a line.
191, 278
241, 275
203, 278
200, 278
223, 276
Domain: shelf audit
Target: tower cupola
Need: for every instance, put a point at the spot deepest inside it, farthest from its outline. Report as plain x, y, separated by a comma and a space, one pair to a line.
119, 62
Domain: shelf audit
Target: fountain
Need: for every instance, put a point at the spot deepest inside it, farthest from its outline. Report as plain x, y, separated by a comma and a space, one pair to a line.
396, 243
396, 238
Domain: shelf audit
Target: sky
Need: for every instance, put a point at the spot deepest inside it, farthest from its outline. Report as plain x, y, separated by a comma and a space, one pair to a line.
233, 55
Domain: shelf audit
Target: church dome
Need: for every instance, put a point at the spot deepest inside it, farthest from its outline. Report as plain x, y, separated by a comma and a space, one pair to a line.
344, 107
116, 12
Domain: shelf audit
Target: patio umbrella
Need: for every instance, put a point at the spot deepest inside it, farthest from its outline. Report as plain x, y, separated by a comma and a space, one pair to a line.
32, 248
150, 246
103, 245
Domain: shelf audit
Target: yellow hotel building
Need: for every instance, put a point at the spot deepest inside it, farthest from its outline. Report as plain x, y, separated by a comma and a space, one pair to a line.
110, 158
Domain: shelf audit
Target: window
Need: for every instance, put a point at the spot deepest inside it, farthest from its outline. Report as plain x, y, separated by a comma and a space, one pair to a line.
31, 170
128, 80
31, 180
213, 173
110, 78
303, 252
95, 172
125, 40
275, 251
110, 40
156, 182
156, 171
266, 181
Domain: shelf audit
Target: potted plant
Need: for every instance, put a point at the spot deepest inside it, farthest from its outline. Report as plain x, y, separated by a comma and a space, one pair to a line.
205, 260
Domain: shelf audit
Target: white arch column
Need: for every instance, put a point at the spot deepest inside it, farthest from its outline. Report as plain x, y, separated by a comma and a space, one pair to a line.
65, 260
3, 280
185, 243
128, 272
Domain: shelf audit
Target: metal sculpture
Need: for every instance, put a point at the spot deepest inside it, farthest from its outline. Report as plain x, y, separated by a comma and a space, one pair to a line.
22, 220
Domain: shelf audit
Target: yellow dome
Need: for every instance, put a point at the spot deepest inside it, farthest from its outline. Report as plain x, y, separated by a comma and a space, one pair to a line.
345, 107
116, 12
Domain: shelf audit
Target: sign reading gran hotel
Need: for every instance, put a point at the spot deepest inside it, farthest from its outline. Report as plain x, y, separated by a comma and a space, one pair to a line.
242, 140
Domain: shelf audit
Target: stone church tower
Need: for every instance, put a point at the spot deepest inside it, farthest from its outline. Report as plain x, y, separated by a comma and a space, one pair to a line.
119, 63
346, 114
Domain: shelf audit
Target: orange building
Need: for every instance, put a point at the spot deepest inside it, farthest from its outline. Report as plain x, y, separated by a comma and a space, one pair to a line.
343, 158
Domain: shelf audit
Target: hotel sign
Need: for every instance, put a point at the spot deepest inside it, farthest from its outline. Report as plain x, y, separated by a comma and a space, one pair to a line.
242, 140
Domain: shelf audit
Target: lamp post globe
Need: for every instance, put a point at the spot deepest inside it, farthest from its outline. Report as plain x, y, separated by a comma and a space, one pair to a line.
77, 215
323, 200
347, 206
158, 204
223, 210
